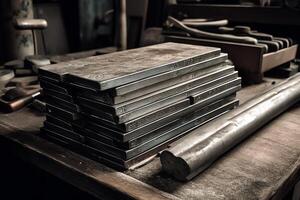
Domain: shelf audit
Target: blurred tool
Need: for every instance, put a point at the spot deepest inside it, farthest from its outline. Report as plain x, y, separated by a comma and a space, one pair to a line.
16, 98
32, 24
252, 52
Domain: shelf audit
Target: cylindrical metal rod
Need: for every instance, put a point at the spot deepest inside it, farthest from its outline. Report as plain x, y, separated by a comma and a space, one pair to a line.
194, 153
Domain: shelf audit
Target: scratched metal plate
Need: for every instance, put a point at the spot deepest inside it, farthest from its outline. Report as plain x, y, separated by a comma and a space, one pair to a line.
61, 113
135, 123
65, 132
217, 89
156, 114
59, 122
157, 130
165, 97
97, 155
108, 98
189, 121
63, 96
90, 110
113, 161
109, 132
178, 89
60, 103
217, 69
122, 136
69, 125
166, 133
124, 89
115, 69
61, 88
128, 111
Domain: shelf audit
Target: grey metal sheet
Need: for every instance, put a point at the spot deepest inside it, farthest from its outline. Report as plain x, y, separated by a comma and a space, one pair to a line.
184, 90
63, 96
150, 127
90, 110
219, 88
61, 103
61, 113
84, 150
189, 121
49, 79
141, 106
115, 69
108, 98
52, 86
66, 133
59, 122
222, 68
106, 158
124, 89
166, 134
138, 122
131, 133
69, 125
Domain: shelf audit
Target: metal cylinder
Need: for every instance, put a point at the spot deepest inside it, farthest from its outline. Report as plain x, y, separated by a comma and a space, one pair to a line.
199, 149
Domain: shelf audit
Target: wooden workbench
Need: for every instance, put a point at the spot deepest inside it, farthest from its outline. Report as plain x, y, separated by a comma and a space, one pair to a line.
265, 166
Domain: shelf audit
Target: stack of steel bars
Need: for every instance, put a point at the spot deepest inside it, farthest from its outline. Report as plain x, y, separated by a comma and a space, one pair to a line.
125, 107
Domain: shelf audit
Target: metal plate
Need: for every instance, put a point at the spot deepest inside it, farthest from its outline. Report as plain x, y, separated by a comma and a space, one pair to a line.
130, 135
54, 86
190, 120
115, 69
218, 69
167, 133
63, 96
141, 106
83, 149
182, 91
66, 133
59, 122
124, 89
61, 113
233, 86
60, 103
108, 132
107, 98
90, 110
106, 158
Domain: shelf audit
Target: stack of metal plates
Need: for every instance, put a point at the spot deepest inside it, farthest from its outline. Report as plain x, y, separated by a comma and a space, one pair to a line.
124, 107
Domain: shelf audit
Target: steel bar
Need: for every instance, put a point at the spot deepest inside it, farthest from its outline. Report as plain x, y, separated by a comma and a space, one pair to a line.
190, 156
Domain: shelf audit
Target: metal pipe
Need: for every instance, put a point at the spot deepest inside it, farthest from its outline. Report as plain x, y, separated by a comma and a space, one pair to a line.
199, 149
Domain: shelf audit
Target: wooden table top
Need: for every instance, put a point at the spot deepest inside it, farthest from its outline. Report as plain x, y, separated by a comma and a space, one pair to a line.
265, 166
